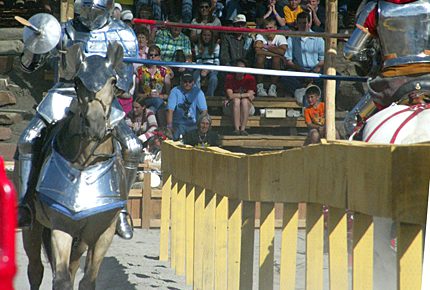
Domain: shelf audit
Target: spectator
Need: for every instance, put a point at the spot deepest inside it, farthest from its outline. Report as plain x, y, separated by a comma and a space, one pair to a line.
116, 13
291, 10
151, 8
269, 52
204, 17
127, 17
153, 82
318, 15
207, 52
145, 12
141, 120
172, 39
305, 54
179, 56
203, 136
183, 106
240, 92
270, 11
236, 45
142, 39
315, 116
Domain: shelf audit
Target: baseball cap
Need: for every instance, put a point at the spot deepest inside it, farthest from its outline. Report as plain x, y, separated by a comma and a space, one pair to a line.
187, 76
239, 18
118, 6
126, 15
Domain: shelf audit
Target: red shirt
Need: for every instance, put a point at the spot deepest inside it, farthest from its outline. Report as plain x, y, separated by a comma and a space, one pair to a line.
240, 86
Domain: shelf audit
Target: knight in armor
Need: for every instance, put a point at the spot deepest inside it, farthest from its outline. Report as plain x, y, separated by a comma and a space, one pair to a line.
390, 44
94, 28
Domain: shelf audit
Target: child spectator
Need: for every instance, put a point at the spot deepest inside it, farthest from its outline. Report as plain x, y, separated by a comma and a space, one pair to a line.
291, 10
207, 52
240, 92
141, 120
203, 136
204, 17
269, 52
315, 116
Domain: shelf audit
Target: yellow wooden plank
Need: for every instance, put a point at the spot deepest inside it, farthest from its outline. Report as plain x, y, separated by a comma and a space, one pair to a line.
180, 234
234, 243
165, 217
289, 246
189, 232
209, 241
362, 269
173, 223
409, 256
338, 251
314, 246
267, 245
221, 222
199, 235
247, 245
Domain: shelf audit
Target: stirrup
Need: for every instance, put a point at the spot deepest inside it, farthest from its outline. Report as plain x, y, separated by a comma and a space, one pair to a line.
123, 228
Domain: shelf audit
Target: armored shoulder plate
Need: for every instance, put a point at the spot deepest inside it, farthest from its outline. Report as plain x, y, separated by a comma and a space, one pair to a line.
55, 105
116, 114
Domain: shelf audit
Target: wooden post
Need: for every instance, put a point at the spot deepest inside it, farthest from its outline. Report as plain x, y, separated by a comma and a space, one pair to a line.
329, 68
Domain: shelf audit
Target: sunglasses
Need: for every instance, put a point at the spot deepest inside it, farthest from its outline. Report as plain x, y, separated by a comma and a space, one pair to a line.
204, 7
153, 55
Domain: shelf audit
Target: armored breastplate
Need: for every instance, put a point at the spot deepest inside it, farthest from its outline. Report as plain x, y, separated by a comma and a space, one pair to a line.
404, 32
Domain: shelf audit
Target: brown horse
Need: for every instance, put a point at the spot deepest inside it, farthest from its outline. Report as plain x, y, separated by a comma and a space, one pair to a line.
73, 211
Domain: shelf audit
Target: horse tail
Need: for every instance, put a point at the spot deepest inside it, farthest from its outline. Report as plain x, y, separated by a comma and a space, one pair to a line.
47, 246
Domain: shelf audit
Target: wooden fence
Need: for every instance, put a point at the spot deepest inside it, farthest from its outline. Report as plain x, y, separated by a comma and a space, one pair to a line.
208, 208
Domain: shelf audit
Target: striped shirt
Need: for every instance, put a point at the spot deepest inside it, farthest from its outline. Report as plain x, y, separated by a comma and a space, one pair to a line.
169, 45
143, 126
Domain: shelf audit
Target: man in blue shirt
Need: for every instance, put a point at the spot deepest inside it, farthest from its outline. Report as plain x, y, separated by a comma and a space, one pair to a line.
184, 105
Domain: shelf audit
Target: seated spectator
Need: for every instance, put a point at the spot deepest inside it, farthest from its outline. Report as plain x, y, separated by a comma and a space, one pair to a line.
116, 13
142, 40
204, 17
149, 9
203, 136
304, 54
172, 39
153, 82
207, 52
269, 10
236, 45
240, 92
127, 17
269, 52
291, 10
318, 15
179, 56
315, 116
141, 120
183, 106
145, 12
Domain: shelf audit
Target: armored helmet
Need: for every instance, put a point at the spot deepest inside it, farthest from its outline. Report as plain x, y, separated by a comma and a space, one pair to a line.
94, 14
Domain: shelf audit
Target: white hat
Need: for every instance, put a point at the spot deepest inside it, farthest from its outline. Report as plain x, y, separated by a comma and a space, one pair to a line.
126, 15
118, 6
239, 18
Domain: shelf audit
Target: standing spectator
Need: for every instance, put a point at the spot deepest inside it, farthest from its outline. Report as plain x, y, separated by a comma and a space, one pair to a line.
207, 52
154, 82
315, 116
183, 106
270, 11
291, 11
116, 13
318, 15
240, 92
141, 120
269, 52
236, 45
204, 17
203, 136
172, 39
127, 17
305, 54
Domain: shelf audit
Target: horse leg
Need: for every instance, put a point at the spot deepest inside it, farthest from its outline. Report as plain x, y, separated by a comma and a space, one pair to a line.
95, 256
75, 259
61, 247
32, 240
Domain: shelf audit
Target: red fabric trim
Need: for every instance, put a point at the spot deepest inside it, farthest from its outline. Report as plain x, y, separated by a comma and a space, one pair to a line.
414, 114
383, 122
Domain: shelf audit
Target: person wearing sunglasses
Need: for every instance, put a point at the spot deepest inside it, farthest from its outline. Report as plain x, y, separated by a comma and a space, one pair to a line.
154, 81
185, 103
204, 17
